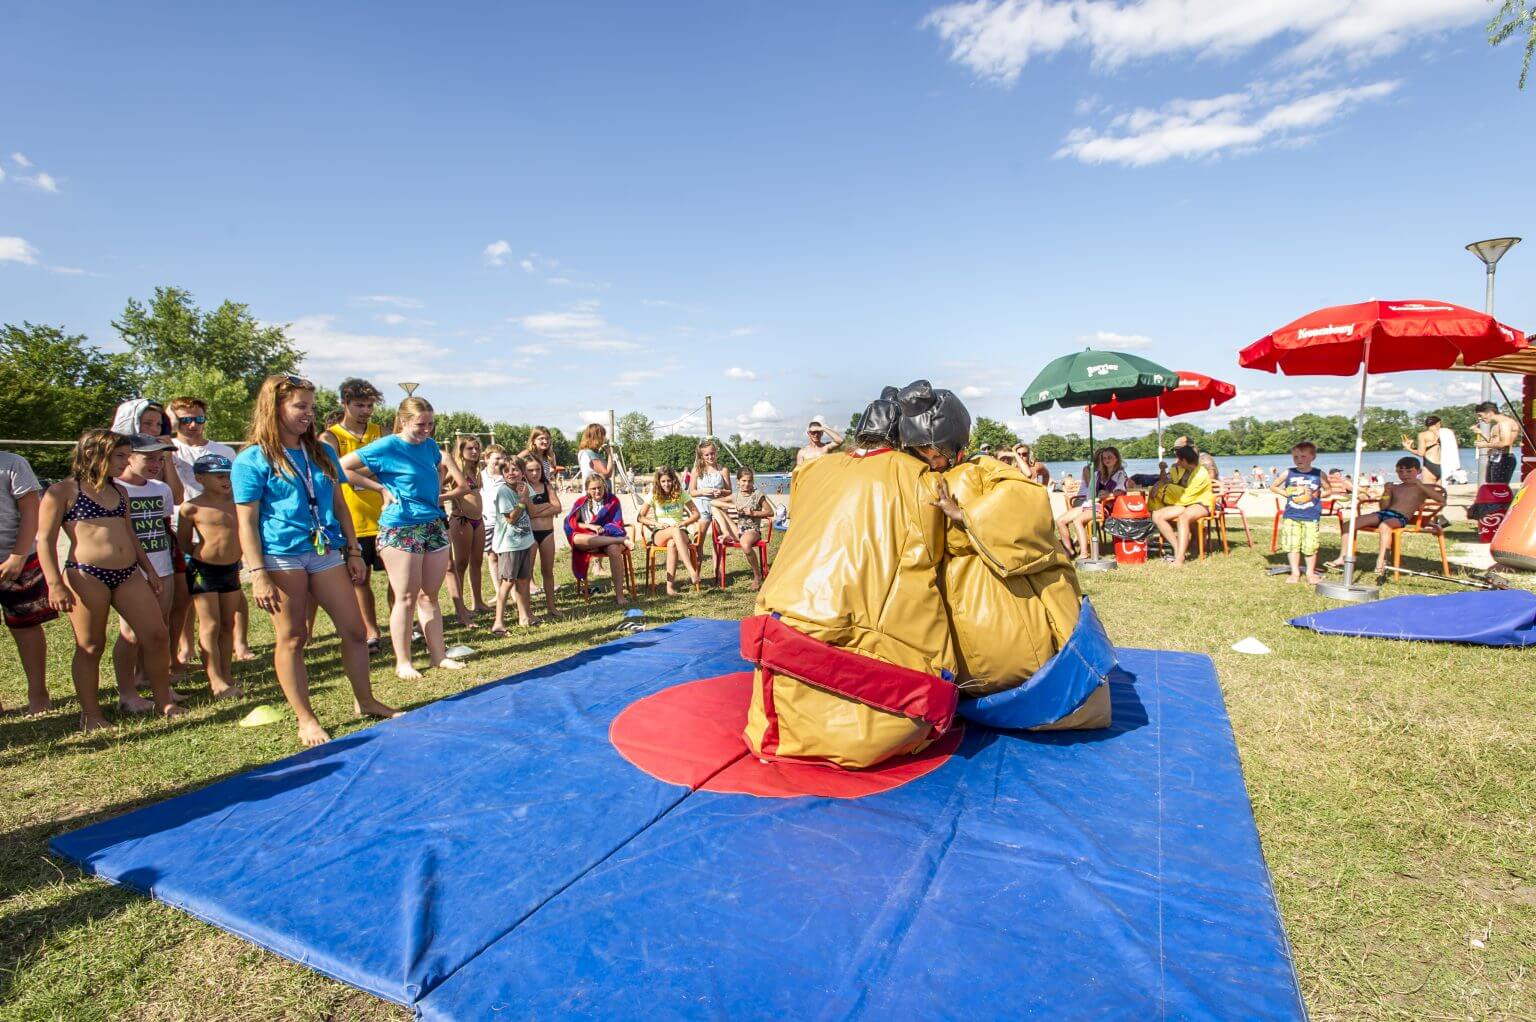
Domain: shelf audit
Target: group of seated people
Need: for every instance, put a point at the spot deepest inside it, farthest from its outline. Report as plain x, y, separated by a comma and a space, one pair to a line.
1177, 497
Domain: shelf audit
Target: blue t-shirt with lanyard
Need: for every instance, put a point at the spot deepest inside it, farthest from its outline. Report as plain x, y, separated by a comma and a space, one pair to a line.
409, 471
296, 507
1303, 495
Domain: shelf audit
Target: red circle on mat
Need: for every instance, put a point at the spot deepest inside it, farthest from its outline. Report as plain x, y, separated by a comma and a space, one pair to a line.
690, 734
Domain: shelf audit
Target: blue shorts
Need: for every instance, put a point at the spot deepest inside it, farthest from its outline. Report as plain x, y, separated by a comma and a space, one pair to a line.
308, 562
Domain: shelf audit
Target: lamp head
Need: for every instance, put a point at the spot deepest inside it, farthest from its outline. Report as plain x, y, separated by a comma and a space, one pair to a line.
1492, 250
409, 388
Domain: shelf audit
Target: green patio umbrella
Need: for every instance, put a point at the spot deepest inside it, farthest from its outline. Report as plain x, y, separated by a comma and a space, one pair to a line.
1092, 377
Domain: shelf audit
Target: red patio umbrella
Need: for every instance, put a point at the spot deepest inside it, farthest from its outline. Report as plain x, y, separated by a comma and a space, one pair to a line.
1378, 337
1196, 392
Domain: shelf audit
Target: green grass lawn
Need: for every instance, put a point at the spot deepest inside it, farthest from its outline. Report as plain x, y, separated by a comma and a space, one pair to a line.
1394, 786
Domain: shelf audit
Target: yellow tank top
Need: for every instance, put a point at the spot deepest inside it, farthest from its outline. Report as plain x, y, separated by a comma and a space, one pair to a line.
365, 505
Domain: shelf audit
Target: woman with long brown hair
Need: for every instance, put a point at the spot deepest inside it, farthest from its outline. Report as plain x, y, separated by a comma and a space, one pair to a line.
297, 540
415, 479
106, 568
544, 508
466, 532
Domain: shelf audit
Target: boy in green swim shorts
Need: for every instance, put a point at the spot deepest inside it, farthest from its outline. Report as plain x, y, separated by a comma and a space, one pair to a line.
1301, 490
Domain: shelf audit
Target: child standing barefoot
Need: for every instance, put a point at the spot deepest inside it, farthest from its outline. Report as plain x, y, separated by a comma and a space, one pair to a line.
106, 569
149, 510
514, 546
213, 571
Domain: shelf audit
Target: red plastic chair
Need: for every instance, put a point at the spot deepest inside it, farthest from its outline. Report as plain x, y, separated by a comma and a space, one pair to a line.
1427, 520
723, 544
1231, 504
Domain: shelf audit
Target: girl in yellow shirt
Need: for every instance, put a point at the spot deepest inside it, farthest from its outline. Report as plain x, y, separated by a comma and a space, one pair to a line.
1180, 499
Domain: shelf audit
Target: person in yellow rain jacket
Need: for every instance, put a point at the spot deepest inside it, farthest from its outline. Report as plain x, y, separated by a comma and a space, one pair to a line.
852, 647
1013, 597
1181, 498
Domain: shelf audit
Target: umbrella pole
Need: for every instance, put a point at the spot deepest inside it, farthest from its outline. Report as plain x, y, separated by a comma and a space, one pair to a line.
1093, 562
1348, 590
1159, 430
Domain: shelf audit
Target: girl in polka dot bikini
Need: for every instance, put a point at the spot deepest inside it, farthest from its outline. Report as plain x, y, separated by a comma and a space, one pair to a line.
106, 569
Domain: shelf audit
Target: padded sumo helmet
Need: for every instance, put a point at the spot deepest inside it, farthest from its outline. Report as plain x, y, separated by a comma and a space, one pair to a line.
879, 423
933, 418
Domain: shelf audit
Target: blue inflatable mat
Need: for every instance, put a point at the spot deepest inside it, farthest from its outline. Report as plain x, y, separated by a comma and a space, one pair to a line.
1487, 618
492, 856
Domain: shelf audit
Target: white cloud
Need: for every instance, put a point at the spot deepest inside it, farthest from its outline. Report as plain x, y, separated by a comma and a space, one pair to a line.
2, 174
526, 265
331, 353
532, 349
71, 271
399, 301
581, 327
17, 250
975, 392
1199, 128
42, 181
600, 417
1118, 340
496, 253
735, 373
390, 318
763, 411
743, 331
996, 39
20, 160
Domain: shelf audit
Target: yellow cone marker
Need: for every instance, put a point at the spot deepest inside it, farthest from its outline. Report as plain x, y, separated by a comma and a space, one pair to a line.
266, 714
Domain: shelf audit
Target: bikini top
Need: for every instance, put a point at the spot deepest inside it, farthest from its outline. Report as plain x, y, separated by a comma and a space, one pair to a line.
84, 508
542, 497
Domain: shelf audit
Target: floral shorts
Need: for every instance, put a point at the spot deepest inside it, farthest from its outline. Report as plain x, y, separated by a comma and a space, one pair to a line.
421, 538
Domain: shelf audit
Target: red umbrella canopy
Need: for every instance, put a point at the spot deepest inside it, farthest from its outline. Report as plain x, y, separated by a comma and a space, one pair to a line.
1196, 392
1403, 336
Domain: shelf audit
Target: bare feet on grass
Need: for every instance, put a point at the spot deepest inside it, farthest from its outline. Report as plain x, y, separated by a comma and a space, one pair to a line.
39, 706
312, 734
405, 672
244, 653
134, 703
1314, 579
227, 691
374, 708
1293, 579
173, 709
95, 722
450, 664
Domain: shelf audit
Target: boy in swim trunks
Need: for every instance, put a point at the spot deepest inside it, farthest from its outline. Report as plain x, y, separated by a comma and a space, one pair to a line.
1400, 501
213, 569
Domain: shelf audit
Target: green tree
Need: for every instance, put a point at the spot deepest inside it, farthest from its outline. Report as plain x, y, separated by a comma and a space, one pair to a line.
674, 449
634, 427
170, 336
1515, 18
987, 432
56, 386
449, 423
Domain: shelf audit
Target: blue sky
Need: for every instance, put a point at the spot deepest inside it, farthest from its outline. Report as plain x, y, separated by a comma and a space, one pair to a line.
543, 211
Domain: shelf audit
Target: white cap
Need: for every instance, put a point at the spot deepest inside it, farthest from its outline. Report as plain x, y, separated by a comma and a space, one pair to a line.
816, 423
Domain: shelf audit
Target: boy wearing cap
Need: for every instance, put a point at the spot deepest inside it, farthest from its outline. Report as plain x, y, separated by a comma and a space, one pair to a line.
189, 419
149, 510
213, 569
815, 432
23, 593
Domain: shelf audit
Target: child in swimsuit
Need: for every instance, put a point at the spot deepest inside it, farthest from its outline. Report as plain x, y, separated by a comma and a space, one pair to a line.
1400, 502
213, 574
106, 569
466, 533
544, 507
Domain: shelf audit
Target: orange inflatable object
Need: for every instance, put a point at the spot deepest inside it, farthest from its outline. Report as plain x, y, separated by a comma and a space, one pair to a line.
1514, 545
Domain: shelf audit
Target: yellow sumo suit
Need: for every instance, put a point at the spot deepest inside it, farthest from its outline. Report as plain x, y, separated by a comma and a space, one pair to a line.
1010, 589
852, 645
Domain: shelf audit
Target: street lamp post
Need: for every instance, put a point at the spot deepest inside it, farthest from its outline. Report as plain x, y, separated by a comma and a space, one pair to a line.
1490, 252
409, 388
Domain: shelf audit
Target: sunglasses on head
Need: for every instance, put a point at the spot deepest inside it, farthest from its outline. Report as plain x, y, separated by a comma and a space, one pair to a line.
188, 419
300, 382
